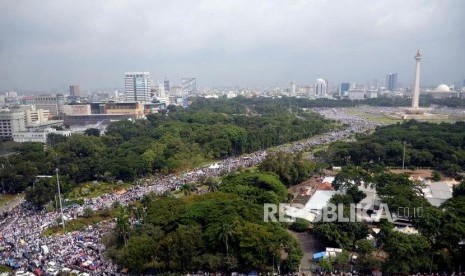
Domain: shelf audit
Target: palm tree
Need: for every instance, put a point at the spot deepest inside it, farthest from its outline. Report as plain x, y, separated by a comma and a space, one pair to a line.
226, 234
213, 185
123, 226
188, 189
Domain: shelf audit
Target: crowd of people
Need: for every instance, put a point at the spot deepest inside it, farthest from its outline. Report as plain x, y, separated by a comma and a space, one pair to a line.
25, 248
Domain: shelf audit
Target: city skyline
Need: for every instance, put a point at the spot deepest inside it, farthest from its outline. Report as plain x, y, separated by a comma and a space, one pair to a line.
51, 45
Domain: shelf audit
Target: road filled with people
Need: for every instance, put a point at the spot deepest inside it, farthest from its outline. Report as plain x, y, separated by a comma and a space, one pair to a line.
24, 248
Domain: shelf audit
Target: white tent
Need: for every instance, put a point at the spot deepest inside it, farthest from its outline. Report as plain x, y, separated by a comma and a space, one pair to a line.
214, 166
44, 249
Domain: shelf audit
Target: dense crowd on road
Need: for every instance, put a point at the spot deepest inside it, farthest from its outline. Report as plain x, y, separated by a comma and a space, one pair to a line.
23, 247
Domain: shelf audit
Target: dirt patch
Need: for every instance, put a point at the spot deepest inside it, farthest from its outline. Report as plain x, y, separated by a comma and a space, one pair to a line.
415, 173
423, 173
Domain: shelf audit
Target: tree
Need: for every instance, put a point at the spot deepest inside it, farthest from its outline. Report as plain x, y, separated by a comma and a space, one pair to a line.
300, 225
92, 132
356, 194
87, 212
188, 189
226, 234
435, 176
213, 185
139, 251
407, 253
123, 226
188, 243
326, 265
40, 194
349, 177
364, 247
459, 190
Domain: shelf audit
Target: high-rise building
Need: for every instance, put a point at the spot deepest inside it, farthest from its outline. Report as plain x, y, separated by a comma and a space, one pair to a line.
137, 86
74, 90
11, 122
321, 88
345, 87
188, 86
11, 94
166, 85
391, 81
292, 89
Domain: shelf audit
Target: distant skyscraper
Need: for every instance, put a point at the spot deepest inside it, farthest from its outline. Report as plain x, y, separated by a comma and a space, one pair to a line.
166, 85
74, 90
188, 86
321, 88
137, 86
391, 82
11, 94
345, 87
292, 89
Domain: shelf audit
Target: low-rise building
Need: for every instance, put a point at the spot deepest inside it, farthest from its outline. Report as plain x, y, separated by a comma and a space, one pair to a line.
125, 108
357, 94
37, 136
36, 116
77, 109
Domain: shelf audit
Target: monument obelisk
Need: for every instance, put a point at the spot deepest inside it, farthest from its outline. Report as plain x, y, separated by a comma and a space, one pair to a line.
416, 85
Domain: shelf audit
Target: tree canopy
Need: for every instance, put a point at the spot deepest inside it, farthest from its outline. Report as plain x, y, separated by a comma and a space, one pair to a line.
218, 231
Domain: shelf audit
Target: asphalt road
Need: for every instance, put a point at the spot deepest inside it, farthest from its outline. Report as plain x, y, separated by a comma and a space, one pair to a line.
307, 242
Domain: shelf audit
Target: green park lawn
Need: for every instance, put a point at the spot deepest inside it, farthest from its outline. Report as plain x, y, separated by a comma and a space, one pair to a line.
7, 198
95, 189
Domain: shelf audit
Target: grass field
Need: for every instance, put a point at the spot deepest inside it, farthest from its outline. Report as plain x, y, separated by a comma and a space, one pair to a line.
375, 118
372, 116
6, 198
80, 223
91, 189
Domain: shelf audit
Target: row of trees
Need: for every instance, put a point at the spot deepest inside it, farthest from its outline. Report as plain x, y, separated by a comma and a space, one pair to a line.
163, 143
441, 146
218, 231
239, 105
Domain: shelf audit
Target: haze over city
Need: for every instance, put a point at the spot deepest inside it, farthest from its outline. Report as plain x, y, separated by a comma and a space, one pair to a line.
48, 45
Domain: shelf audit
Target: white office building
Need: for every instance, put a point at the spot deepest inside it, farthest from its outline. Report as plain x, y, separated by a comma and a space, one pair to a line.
321, 88
137, 86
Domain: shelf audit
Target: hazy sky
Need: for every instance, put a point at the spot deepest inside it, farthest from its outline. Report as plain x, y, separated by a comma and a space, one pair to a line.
51, 44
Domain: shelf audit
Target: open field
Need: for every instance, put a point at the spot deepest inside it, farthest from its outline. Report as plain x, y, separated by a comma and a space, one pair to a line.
415, 173
91, 189
8, 201
372, 117
80, 223
423, 173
